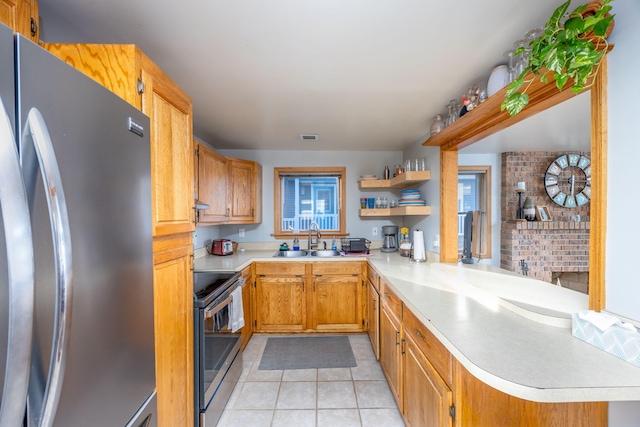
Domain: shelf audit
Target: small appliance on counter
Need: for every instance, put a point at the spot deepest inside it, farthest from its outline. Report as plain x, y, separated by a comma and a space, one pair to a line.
389, 239
220, 247
355, 245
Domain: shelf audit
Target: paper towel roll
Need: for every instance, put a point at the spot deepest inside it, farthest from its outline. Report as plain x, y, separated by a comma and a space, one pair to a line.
418, 246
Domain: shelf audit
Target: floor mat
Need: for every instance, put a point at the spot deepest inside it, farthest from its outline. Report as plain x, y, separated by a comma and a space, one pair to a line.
307, 353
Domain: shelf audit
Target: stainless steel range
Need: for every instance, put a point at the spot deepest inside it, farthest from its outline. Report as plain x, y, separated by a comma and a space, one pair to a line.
218, 359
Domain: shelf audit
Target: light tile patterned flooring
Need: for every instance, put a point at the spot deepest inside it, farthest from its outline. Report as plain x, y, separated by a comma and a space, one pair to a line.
341, 397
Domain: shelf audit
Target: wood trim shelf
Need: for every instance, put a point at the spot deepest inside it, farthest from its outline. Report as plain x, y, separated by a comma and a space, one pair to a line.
402, 180
399, 211
487, 119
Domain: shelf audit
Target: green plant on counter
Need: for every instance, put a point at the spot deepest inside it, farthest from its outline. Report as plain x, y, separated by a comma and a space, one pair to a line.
570, 50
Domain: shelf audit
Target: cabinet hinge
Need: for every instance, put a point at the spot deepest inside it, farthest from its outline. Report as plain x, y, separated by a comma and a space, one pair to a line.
198, 152
34, 27
452, 411
140, 86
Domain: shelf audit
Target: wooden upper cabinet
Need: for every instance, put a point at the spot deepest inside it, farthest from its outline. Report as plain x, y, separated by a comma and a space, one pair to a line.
245, 191
130, 74
231, 187
212, 179
22, 16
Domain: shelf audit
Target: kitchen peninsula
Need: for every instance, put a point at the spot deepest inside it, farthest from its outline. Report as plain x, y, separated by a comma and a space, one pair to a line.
501, 330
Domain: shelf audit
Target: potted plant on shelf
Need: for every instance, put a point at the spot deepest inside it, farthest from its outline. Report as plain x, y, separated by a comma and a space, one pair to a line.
571, 47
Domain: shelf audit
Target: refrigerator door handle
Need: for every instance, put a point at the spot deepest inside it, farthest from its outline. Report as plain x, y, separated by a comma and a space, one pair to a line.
20, 266
36, 128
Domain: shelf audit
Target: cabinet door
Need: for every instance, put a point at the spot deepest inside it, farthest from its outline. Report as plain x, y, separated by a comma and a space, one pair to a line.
21, 16
337, 302
213, 175
373, 316
390, 352
247, 305
170, 112
427, 397
281, 304
173, 299
242, 191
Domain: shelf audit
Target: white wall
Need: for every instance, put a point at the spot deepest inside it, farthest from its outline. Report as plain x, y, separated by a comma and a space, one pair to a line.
623, 204
623, 201
430, 225
357, 163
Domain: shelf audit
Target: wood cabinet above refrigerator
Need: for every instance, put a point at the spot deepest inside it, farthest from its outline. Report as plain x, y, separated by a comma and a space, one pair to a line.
130, 74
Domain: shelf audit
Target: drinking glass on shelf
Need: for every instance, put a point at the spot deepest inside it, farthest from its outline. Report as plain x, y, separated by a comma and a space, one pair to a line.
453, 113
422, 164
522, 59
511, 75
532, 35
407, 165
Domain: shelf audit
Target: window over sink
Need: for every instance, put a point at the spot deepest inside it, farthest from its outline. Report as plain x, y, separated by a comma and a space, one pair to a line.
307, 195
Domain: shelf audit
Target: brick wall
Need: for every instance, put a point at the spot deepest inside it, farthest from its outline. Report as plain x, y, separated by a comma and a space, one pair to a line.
560, 245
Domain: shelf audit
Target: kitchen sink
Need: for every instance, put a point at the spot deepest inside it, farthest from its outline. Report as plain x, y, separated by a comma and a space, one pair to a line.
303, 254
325, 254
291, 254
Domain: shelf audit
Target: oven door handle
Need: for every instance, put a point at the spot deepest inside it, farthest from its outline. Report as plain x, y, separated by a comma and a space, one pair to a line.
208, 313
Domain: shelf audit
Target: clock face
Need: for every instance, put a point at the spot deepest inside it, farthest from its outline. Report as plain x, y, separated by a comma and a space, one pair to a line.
568, 180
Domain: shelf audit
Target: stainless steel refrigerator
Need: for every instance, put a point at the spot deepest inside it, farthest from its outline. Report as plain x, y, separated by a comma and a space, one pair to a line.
76, 266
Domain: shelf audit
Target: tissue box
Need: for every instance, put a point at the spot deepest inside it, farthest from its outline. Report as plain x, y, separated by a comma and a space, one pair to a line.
617, 340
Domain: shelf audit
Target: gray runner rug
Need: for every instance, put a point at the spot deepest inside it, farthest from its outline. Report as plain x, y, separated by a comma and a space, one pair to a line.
307, 353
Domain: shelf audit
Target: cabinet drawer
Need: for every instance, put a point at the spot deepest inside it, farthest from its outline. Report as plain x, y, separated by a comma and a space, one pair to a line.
280, 268
433, 349
390, 298
373, 277
246, 274
324, 267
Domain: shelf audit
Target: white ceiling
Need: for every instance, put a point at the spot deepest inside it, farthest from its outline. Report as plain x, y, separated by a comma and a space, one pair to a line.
363, 74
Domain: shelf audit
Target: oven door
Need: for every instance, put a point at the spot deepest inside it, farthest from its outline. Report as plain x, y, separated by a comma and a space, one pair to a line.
216, 346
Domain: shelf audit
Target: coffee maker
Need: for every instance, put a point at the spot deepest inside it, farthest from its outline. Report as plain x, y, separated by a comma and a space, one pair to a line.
389, 238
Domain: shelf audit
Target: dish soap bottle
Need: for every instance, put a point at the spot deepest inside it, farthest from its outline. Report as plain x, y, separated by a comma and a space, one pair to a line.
296, 244
334, 246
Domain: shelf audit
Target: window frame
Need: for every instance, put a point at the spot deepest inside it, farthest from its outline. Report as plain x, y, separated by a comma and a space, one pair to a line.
485, 195
278, 172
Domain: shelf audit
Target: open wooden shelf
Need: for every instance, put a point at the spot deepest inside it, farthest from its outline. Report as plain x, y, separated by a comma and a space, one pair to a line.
400, 181
487, 119
400, 211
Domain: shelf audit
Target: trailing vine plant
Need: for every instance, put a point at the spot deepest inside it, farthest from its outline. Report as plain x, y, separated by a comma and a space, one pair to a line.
571, 47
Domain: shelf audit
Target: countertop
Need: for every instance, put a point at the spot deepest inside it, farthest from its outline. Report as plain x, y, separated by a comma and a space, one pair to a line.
511, 332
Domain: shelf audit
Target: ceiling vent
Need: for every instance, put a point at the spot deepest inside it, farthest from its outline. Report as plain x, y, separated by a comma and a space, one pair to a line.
309, 137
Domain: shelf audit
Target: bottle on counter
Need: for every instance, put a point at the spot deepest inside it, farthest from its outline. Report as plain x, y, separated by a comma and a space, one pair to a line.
296, 244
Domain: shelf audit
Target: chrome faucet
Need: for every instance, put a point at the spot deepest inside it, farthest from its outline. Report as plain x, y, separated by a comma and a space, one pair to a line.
313, 243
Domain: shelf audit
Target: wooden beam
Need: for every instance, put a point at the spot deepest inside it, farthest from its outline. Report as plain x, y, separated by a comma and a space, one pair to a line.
599, 149
448, 205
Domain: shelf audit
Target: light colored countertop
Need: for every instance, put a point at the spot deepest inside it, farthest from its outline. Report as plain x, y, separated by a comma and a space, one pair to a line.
511, 332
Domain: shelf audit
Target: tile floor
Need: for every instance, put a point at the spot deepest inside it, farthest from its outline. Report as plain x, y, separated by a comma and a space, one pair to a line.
341, 397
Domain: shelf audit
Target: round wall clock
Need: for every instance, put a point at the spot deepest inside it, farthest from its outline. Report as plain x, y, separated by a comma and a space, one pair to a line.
568, 180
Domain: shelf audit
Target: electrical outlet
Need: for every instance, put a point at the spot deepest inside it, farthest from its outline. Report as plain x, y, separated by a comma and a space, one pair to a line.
374, 231
240, 232
436, 240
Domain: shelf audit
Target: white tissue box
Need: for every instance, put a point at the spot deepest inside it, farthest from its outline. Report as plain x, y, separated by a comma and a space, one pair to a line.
617, 340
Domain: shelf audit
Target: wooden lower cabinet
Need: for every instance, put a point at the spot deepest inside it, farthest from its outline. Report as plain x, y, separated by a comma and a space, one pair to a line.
173, 321
391, 351
309, 296
247, 305
280, 297
337, 292
433, 389
373, 318
427, 398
